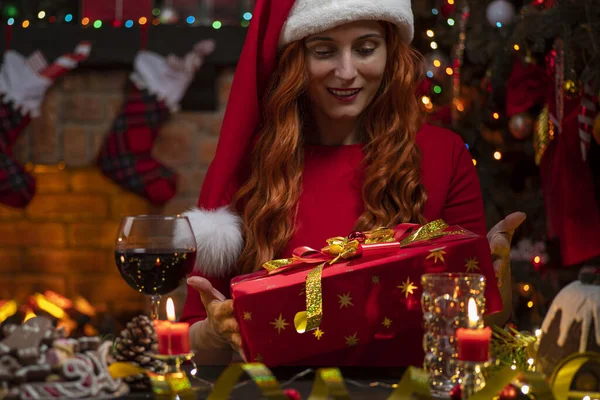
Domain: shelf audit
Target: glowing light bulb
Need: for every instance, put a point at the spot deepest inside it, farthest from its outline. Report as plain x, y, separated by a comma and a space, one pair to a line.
537, 259
217, 25
449, 71
437, 63
474, 162
425, 100
430, 33
516, 47
451, 21
97, 24
530, 304
143, 20
68, 17
85, 21
526, 287
190, 20
525, 389
25, 24
497, 155
247, 16
496, 115
10, 21
434, 45
42, 14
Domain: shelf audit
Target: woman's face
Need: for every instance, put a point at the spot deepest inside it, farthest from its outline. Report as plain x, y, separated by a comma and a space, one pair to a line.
345, 67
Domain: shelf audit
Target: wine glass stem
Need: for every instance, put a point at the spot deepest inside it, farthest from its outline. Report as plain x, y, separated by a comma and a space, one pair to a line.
155, 303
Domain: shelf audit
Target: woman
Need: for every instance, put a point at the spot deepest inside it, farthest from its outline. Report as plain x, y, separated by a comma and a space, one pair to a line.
336, 146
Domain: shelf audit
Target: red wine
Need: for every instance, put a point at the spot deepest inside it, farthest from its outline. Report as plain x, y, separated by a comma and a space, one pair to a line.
155, 272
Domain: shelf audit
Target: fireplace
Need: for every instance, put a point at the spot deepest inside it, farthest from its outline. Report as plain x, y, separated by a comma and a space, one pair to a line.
63, 240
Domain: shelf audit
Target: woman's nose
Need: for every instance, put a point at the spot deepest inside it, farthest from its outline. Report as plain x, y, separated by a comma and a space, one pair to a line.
346, 70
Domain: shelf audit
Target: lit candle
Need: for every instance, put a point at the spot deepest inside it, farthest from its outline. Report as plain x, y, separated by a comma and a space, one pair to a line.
173, 337
473, 344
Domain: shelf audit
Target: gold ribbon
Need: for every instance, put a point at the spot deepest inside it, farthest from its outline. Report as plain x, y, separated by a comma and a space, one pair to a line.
414, 383
165, 386
259, 373
329, 383
564, 373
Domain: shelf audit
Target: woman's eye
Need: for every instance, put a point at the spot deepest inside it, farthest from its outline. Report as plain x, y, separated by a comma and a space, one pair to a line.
365, 51
323, 52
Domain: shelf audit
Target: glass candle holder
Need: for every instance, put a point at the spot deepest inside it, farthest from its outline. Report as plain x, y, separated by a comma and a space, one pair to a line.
444, 303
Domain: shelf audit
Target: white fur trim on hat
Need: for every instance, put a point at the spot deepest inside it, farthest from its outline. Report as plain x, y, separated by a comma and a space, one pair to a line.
313, 16
219, 240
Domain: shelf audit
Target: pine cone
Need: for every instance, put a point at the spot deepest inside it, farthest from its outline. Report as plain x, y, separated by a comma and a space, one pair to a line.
138, 345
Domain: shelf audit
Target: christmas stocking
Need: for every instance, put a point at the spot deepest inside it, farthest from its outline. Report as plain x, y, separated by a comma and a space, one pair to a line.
23, 84
159, 84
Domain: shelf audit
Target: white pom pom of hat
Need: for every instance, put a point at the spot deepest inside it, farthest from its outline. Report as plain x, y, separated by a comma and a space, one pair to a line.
313, 16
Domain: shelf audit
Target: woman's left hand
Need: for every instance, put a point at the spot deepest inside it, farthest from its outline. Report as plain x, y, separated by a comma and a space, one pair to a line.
500, 237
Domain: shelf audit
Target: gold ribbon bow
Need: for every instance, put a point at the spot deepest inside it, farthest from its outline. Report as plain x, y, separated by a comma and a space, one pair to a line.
341, 248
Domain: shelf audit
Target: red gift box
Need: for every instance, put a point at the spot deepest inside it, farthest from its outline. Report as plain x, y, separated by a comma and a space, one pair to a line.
371, 301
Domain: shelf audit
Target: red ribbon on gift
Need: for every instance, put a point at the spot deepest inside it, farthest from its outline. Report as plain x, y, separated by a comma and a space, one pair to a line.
377, 242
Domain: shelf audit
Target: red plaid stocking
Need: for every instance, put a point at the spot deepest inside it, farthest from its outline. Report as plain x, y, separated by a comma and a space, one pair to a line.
23, 84
159, 86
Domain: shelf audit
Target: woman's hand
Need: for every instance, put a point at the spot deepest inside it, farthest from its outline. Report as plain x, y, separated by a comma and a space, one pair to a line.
219, 311
499, 238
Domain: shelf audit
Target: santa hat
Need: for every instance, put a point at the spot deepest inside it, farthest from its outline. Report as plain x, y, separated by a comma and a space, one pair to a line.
275, 23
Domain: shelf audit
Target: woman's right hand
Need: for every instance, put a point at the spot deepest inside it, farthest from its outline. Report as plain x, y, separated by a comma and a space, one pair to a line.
219, 311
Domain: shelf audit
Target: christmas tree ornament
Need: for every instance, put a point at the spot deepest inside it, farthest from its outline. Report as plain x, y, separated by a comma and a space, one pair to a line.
572, 324
159, 84
23, 85
596, 131
588, 111
572, 88
138, 345
500, 13
521, 125
448, 9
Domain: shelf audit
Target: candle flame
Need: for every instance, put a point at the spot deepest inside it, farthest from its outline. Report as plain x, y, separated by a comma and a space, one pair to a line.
170, 310
472, 309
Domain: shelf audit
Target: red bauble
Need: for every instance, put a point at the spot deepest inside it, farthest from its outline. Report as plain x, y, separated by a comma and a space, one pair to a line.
448, 9
292, 394
456, 393
521, 125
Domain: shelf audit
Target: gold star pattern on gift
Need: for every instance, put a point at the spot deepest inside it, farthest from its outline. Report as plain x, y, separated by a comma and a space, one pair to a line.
279, 324
386, 322
472, 264
407, 287
318, 333
345, 300
352, 340
247, 316
437, 254
375, 280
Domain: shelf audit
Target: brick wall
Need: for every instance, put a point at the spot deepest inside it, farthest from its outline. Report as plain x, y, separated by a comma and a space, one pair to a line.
63, 240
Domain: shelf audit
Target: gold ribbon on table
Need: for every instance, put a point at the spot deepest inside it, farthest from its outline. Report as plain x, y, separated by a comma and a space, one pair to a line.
329, 383
377, 241
414, 383
259, 373
564, 373
164, 386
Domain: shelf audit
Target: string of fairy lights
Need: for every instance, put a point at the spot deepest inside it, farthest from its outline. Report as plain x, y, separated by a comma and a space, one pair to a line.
156, 19
446, 12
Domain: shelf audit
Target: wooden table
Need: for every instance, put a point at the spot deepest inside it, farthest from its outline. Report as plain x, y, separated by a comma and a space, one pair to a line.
358, 382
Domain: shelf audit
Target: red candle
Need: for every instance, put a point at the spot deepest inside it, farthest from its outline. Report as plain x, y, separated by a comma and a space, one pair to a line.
474, 344
173, 337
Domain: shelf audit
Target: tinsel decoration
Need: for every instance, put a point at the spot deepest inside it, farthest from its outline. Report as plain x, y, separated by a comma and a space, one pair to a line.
511, 347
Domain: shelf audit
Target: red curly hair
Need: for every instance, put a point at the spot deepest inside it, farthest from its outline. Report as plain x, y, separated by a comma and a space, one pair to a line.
392, 191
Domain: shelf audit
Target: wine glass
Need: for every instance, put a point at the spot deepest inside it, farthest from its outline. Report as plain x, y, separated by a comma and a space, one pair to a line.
154, 253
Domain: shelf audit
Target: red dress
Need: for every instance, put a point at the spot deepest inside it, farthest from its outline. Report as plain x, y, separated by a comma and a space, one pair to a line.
331, 202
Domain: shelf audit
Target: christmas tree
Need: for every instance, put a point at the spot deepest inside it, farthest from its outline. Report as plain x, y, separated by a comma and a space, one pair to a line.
509, 77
